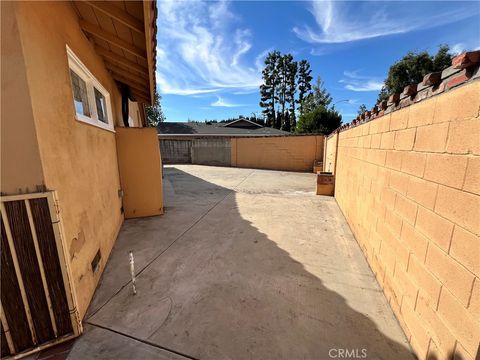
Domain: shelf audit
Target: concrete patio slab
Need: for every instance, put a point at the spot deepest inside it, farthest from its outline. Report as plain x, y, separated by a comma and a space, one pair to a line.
244, 264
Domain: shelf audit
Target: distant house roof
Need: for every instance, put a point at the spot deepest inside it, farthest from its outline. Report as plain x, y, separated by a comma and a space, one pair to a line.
243, 123
235, 128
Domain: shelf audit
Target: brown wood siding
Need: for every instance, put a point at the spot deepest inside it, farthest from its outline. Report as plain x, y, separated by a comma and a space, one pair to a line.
27, 259
51, 263
12, 300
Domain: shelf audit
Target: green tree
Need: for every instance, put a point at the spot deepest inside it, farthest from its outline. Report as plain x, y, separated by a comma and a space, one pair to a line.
290, 95
412, 68
304, 82
268, 89
361, 109
287, 84
442, 59
318, 97
278, 120
319, 121
383, 94
155, 113
281, 78
287, 122
283, 65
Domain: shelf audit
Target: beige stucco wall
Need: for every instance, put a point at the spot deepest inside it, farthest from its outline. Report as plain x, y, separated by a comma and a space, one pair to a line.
409, 185
289, 153
21, 169
79, 160
140, 168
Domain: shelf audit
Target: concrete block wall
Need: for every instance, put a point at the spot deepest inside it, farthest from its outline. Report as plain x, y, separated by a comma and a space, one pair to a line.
211, 151
286, 152
408, 183
330, 154
176, 151
290, 153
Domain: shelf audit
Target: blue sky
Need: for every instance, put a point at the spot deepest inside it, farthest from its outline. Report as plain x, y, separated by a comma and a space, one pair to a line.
210, 54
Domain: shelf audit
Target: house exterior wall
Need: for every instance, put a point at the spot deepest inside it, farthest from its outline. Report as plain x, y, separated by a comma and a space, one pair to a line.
289, 153
79, 161
408, 185
21, 169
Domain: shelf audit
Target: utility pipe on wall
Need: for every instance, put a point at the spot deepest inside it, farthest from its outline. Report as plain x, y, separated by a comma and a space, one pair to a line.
125, 92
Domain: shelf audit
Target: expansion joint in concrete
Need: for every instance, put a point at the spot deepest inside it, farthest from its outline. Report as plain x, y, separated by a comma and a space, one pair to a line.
144, 341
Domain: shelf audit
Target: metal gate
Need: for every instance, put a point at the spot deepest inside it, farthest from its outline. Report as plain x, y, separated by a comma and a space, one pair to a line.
38, 303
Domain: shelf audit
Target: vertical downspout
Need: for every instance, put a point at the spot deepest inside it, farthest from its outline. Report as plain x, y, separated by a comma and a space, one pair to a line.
125, 92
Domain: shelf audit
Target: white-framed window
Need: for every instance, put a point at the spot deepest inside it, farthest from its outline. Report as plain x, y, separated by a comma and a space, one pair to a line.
90, 99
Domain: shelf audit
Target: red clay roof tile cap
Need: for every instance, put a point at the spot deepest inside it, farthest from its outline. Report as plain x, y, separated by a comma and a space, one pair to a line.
432, 79
466, 59
395, 98
410, 90
463, 76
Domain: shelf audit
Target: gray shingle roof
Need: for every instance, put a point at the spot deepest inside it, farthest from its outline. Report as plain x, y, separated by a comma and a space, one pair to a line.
190, 128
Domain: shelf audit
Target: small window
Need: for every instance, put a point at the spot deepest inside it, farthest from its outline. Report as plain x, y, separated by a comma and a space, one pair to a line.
90, 99
101, 106
80, 97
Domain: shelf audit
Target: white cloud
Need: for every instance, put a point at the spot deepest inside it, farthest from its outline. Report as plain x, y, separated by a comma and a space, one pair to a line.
197, 52
166, 87
245, 92
223, 103
367, 86
319, 51
261, 58
348, 115
457, 48
341, 22
355, 82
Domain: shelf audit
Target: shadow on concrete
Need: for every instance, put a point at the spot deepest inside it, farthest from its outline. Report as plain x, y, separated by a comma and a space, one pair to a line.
220, 288
451, 356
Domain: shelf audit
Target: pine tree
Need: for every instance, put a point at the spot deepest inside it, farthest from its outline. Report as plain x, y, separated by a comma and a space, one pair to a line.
278, 120
290, 95
281, 95
362, 109
318, 97
268, 89
304, 82
286, 122
155, 113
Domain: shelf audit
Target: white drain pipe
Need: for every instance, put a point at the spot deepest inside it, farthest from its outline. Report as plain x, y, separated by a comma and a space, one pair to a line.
132, 272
